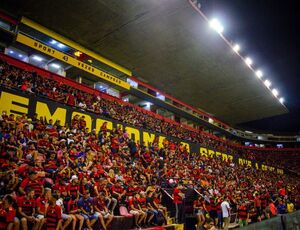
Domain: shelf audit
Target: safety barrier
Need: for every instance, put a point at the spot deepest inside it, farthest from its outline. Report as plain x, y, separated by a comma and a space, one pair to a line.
289, 221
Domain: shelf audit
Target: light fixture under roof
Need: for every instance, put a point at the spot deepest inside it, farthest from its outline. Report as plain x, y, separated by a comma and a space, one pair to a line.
60, 45
281, 100
259, 74
56, 66
37, 58
216, 25
236, 48
248, 61
267, 83
275, 92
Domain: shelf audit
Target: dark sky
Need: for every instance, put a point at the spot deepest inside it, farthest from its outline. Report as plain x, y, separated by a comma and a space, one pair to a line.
269, 32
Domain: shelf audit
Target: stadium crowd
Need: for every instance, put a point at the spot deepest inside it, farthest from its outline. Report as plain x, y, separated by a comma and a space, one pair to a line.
58, 177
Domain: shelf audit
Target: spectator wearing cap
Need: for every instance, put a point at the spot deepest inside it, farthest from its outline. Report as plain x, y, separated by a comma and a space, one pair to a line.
73, 188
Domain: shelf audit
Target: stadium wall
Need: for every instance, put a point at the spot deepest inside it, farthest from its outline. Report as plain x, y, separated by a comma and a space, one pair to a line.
19, 102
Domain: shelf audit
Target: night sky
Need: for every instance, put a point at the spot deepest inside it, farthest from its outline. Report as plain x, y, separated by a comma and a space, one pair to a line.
269, 32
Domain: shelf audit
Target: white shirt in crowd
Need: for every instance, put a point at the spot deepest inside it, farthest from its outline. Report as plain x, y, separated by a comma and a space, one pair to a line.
225, 208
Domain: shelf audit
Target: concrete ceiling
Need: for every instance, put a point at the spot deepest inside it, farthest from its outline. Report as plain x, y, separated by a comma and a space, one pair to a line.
165, 42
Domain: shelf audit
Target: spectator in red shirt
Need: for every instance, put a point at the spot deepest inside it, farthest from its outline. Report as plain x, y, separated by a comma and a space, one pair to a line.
53, 215
70, 99
26, 210
136, 210
82, 122
8, 218
178, 197
41, 203
118, 191
243, 214
73, 188
34, 182
101, 209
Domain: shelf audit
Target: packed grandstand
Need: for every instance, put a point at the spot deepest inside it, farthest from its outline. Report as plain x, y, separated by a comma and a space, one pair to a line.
69, 174
80, 168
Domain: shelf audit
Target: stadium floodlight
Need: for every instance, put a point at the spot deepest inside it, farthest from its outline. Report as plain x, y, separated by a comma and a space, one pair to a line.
11, 52
281, 100
53, 42
216, 25
37, 58
236, 48
259, 74
56, 66
20, 55
248, 61
267, 83
275, 92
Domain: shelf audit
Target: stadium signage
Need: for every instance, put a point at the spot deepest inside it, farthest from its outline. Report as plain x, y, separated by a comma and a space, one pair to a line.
70, 60
18, 103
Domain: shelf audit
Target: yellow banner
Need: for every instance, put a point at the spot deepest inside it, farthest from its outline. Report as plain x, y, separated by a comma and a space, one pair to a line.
70, 60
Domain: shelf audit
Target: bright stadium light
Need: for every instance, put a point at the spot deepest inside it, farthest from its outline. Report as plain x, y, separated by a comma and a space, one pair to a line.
20, 55
53, 42
216, 25
281, 100
37, 58
248, 61
275, 92
236, 48
259, 74
267, 83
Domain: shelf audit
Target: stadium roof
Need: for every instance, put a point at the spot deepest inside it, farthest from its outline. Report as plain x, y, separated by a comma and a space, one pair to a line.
167, 44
